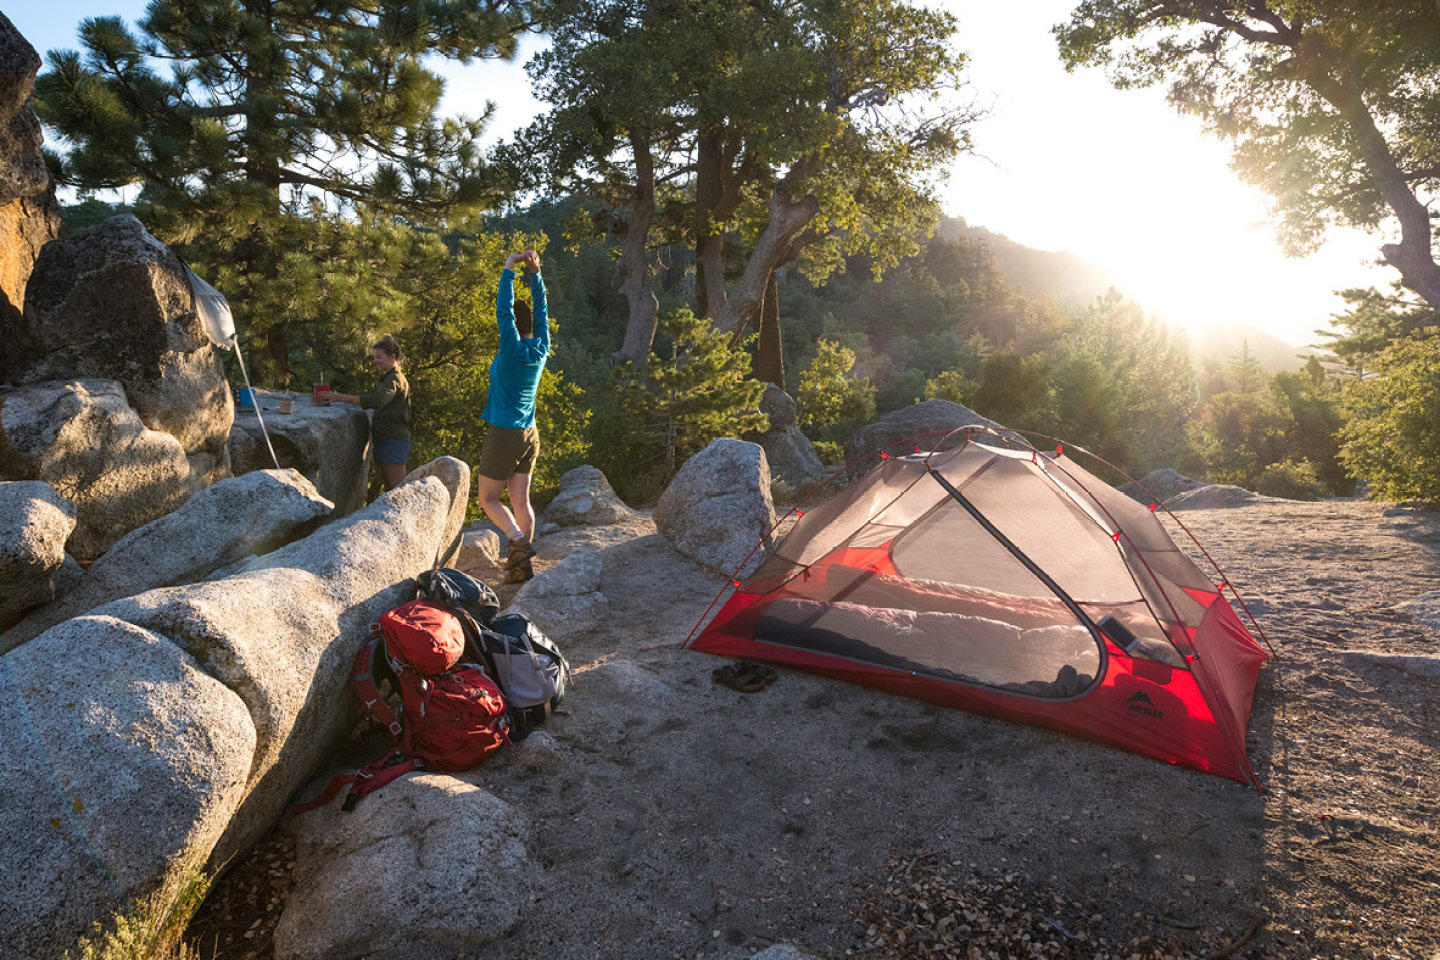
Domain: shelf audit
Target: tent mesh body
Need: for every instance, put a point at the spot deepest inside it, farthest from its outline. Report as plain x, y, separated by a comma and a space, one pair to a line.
987, 599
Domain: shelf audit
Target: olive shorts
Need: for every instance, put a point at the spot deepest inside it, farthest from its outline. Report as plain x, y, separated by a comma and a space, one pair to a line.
508, 450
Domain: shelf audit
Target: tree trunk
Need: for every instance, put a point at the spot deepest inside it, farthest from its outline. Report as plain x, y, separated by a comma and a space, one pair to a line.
709, 243
635, 260
1414, 255
788, 218
769, 353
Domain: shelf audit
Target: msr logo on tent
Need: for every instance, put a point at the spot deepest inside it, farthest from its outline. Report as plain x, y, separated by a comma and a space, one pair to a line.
1141, 703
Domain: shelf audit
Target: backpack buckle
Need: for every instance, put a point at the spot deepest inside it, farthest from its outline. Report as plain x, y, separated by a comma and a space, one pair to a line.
395, 728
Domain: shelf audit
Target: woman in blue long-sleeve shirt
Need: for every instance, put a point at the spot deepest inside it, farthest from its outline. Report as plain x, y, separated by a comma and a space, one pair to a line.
512, 442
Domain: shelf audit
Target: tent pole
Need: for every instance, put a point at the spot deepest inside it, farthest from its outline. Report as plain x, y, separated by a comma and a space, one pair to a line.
265, 433
1019, 554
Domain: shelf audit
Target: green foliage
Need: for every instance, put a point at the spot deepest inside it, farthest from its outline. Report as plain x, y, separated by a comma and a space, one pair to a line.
694, 389
829, 394
1374, 321
1123, 386
1015, 390
950, 385
274, 118
831, 453
1237, 436
1245, 371
792, 122
1392, 441
1311, 402
151, 928
1292, 480
1330, 104
784, 494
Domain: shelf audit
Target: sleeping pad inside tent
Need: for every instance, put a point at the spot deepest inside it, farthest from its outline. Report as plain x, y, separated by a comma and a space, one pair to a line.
992, 578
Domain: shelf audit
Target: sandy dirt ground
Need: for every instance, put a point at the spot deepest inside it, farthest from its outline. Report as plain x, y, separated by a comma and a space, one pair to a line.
684, 819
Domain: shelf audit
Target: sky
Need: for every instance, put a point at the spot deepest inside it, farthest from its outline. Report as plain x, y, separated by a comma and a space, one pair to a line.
1062, 162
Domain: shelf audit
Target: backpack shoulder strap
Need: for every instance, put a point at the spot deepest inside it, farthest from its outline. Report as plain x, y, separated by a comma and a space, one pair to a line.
362, 681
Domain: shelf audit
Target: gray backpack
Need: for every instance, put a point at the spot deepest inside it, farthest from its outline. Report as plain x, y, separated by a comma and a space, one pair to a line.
528, 667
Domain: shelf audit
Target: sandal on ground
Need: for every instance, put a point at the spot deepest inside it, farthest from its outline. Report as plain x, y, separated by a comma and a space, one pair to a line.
761, 670
738, 676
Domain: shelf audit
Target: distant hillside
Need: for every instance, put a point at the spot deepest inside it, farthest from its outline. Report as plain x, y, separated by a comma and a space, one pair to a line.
1225, 340
1060, 276
1071, 281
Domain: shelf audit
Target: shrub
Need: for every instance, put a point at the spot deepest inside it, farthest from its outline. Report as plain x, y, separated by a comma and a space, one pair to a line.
1391, 443
830, 452
151, 928
1292, 480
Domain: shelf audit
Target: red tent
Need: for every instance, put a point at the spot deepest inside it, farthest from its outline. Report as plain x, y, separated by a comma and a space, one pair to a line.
999, 579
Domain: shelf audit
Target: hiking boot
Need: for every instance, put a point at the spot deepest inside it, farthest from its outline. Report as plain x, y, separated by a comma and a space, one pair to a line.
519, 573
520, 551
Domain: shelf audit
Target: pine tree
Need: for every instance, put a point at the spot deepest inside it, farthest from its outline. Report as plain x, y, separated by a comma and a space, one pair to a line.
273, 115
697, 390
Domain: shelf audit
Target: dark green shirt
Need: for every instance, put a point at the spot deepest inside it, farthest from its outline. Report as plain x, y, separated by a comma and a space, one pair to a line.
391, 402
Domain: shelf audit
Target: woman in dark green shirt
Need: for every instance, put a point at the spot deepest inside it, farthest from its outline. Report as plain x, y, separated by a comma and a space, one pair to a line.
390, 426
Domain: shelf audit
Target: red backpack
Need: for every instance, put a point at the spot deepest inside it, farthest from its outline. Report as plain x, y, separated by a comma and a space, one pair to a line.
452, 715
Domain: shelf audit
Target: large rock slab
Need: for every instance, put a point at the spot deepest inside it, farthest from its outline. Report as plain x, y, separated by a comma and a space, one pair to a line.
283, 634
112, 302
124, 758
928, 422
585, 497
1214, 496
789, 452
236, 518
718, 507
168, 760
83, 438
330, 445
35, 522
429, 867
455, 474
1163, 484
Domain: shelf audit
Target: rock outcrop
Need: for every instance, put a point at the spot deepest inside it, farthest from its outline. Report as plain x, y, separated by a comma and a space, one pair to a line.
199, 710
455, 474
113, 303
718, 507
357, 874
126, 758
236, 518
29, 215
85, 440
1164, 484
1213, 495
928, 421
481, 544
35, 522
585, 497
330, 445
566, 598
789, 452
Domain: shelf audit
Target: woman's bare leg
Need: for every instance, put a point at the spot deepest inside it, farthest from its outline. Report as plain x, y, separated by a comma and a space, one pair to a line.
393, 474
519, 484
488, 491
